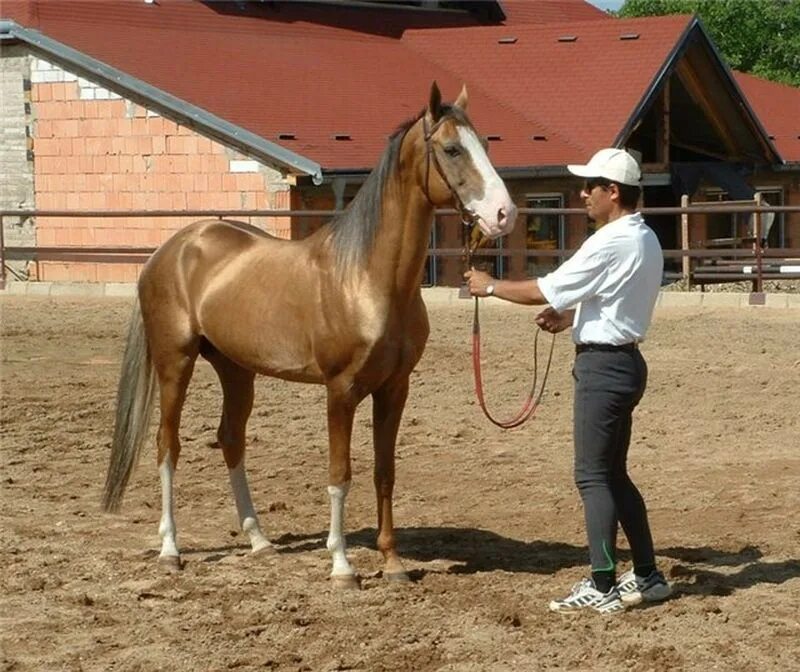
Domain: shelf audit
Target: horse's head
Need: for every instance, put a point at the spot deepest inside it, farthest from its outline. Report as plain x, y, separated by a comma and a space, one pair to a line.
456, 168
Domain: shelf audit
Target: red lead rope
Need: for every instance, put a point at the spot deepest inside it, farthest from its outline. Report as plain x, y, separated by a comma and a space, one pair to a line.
533, 399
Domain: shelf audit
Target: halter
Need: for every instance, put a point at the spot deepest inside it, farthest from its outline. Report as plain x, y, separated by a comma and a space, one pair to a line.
469, 219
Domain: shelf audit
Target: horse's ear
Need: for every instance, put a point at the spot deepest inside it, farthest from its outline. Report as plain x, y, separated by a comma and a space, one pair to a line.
463, 99
435, 103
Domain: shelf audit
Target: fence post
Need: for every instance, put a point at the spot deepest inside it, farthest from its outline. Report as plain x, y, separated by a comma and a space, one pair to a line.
2, 254
685, 259
759, 277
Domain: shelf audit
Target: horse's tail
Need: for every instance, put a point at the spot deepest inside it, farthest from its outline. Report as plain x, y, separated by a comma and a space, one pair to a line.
135, 397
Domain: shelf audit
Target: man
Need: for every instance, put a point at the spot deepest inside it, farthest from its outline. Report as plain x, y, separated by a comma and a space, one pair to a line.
606, 291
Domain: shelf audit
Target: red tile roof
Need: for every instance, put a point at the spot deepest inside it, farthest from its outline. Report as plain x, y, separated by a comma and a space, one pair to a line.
271, 69
778, 108
582, 90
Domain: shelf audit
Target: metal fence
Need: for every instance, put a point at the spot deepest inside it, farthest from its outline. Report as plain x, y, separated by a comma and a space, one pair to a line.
701, 265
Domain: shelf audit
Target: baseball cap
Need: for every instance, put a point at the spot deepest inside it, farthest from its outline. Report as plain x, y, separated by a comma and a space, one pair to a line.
613, 164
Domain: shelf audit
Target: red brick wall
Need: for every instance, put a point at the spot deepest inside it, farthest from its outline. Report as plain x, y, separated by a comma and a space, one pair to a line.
110, 155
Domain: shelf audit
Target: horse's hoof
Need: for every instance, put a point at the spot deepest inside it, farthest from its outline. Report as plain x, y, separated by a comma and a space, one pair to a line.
345, 582
172, 563
264, 551
396, 577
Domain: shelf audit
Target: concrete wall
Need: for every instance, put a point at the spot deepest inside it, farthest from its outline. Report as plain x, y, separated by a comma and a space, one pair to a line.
16, 166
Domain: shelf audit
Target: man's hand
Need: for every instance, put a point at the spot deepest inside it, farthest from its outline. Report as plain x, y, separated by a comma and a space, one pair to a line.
551, 321
478, 281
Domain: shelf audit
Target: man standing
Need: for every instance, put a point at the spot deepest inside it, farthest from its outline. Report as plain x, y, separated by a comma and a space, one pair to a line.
606, 292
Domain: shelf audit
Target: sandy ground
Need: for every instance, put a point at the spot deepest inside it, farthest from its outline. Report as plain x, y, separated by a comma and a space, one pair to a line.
489, 522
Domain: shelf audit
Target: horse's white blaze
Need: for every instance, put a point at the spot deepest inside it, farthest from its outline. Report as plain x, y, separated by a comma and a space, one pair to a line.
166, 528
495, 195
336, 544
248, 520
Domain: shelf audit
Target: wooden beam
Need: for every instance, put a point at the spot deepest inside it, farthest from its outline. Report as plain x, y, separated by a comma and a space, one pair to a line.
694, 86
664, 130
701, 150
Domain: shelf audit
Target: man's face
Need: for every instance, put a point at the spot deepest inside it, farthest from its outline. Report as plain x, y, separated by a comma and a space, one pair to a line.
599, 197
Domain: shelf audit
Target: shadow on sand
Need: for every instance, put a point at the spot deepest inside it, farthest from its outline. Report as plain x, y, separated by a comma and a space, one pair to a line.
697, 570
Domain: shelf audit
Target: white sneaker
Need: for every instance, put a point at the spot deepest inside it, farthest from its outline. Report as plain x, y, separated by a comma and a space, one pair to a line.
585, 596
635, 589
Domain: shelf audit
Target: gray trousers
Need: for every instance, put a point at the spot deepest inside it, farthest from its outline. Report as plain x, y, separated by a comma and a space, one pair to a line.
608, 386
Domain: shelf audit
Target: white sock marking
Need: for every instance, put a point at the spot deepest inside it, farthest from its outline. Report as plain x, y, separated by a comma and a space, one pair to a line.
336, 542
248, 520
166, 528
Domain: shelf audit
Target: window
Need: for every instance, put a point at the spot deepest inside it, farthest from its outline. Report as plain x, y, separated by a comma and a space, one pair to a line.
543, 232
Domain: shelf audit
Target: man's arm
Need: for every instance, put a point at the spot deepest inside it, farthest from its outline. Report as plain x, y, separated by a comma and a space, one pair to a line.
526, 292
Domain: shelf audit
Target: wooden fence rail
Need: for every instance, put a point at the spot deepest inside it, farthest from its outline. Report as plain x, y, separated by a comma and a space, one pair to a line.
765, 263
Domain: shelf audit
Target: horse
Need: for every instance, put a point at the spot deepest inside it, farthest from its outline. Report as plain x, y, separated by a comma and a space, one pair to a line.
342, 308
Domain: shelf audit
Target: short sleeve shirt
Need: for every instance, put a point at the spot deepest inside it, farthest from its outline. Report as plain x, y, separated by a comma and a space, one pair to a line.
613, 282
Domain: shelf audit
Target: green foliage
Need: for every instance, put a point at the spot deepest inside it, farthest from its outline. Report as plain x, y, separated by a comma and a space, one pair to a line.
757, 36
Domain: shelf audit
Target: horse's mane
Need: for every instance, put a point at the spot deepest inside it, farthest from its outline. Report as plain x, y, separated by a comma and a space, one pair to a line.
353, 231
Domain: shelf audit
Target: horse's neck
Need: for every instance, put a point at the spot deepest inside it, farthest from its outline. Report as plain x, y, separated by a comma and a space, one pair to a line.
401, 242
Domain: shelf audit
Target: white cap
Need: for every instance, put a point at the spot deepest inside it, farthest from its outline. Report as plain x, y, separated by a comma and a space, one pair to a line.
615, 165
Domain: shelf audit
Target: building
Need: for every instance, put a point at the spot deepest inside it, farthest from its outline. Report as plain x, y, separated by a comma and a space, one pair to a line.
183, 104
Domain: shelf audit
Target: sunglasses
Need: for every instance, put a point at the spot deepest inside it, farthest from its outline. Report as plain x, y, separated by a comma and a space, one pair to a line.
596, 182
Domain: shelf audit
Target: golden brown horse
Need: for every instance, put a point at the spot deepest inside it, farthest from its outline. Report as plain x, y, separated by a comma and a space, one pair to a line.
341, 308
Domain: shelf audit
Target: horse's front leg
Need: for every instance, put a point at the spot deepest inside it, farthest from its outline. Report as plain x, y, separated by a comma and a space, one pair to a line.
341, 410
387, 409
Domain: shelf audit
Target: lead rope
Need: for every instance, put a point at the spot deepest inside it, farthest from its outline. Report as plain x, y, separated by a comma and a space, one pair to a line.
534, 399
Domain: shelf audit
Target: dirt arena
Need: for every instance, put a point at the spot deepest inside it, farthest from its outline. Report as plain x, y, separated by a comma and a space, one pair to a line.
489, 522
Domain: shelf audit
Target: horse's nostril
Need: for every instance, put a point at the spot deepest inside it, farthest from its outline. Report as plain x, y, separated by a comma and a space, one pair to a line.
501, 216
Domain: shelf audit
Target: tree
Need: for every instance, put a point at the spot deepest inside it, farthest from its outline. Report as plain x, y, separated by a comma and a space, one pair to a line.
761, 37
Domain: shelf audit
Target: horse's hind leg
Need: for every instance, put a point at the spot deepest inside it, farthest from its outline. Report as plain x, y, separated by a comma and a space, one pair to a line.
174, 370
237, 391
388, 403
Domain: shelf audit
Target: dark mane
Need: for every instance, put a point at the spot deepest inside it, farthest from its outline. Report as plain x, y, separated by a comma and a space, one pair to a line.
353, 231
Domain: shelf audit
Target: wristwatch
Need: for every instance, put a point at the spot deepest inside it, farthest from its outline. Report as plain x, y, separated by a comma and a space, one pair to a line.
489, 289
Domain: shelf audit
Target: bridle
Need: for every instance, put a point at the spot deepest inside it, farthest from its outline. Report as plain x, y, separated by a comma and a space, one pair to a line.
469, 219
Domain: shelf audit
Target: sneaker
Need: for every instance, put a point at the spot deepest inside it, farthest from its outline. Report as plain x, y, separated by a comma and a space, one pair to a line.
585, 596
634, 589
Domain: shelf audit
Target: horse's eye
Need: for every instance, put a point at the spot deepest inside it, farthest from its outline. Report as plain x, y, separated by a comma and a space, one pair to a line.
452, 150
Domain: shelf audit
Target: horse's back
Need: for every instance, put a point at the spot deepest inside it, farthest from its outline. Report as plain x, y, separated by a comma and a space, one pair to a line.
203, 246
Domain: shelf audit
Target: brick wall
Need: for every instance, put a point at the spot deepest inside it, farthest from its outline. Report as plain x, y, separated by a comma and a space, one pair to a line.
94, 150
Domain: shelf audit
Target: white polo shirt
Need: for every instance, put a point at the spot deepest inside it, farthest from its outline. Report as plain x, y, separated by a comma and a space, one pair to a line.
613, 280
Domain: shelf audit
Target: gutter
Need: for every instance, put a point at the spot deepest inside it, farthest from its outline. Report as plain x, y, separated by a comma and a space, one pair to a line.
170, 106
